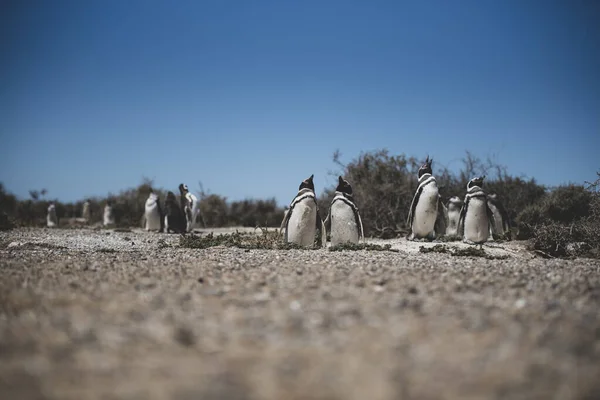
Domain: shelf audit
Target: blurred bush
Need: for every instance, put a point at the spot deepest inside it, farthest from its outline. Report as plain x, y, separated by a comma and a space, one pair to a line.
384, 186
566, 222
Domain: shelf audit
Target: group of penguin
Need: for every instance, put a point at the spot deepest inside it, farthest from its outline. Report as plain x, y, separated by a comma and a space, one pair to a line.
475, 220
176, 218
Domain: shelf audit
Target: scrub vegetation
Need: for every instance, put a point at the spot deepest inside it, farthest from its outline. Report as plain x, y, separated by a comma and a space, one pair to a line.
559, 222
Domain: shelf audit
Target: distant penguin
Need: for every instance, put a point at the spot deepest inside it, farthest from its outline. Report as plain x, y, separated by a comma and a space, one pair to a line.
190, 206
153, 213
454, 206
476, 218
51, 219
109, 214
501, 219
343, 220
303, 219
174, 217
426, 219
85, 214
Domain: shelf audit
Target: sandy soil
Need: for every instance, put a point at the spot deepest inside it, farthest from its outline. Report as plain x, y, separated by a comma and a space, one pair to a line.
129, 315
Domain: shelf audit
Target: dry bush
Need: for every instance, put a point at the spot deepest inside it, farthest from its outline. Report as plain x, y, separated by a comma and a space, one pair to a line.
384, 186
566, 223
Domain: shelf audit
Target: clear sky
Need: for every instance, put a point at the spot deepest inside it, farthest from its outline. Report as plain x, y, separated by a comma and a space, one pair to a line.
250, 96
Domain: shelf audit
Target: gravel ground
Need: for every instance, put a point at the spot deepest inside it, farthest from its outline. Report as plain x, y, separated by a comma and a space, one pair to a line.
96, 314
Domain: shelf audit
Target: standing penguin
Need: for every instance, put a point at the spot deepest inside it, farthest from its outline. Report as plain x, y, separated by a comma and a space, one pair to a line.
86, 211
476, 219
454, 206
174, 217
109, 215
153, 213
190, 206
426, 217
501, 219
51, 219
303, 219
343, 220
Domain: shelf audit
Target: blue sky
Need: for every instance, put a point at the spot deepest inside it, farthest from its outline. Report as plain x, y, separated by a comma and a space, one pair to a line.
251, 97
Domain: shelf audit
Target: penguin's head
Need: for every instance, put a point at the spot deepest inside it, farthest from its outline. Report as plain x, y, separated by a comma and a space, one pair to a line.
343, 186
183, 188
308, 184
109, 202
426, 168
477, 181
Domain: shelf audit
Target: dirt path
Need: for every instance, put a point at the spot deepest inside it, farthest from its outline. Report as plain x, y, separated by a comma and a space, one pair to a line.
129, 315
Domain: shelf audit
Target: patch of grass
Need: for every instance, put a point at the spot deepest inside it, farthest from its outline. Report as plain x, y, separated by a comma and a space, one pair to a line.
438, 248
162, 244
449, 238
362, 246
458, 252
37, 245
267, 240
106, 250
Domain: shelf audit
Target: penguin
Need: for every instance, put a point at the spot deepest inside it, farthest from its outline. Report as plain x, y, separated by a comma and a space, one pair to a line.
343, 221
476, 218
153, 213
426, 217
109, 215
303, 219
454, 206
51, 219
86, 211
190, 206
501, 219
174, 217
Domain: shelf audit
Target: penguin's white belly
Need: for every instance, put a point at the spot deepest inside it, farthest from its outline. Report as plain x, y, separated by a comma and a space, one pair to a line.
301, 227
477, 227
426, 211
86, 212
108, 218
152, 218
344, 228
51, 221
453, 217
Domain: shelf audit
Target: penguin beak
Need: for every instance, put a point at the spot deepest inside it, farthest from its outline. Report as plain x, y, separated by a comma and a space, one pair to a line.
340, 180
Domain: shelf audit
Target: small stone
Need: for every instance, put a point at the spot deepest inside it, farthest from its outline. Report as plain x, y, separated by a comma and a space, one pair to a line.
295, 305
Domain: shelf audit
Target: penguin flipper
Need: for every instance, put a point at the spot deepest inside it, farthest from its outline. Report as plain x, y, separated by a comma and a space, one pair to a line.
413, 205
461, 220
284, 223
491, 220
327, 221
361, 232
